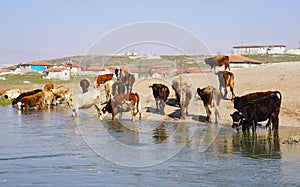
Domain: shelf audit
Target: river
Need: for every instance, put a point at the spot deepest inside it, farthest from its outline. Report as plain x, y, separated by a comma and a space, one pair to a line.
50, 148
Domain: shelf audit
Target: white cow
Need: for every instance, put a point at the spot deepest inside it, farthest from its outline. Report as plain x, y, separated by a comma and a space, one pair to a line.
12, 93
84, 101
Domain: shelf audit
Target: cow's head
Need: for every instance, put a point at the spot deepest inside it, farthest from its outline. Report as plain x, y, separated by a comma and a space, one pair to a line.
236, 119
108, 107
19, 104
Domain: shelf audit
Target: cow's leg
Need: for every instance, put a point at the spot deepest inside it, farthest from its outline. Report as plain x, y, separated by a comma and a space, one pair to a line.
217, 115
120, 115
231, 90
208, 113
156, 102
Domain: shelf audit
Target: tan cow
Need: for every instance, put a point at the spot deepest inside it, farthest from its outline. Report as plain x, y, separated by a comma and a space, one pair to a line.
226, 79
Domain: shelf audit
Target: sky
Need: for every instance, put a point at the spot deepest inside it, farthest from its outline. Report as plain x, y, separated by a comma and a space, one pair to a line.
33, 30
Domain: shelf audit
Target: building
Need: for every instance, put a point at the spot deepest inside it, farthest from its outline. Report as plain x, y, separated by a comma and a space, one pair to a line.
36, 66
237, 61
57, 73
258, 49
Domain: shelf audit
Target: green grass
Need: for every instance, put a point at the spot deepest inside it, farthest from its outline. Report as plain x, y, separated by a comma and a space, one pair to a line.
5, 102
273, 58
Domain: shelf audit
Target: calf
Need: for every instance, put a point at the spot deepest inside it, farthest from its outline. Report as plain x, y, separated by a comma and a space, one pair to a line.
160, 93
84, 101
226, 79
84, 84
32, 101
123, 103
101, 79
218, 61
261, 109
18, 99
211, 98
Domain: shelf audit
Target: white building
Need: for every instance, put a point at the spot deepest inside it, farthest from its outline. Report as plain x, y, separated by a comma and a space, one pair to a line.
258, 49
57, 73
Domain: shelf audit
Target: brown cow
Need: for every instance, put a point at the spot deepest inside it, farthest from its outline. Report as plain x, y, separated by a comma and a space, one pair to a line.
101, 79
31, 92
218, 61
48, 87
211, 98
123, 103
32, 101
226, 79
160, 93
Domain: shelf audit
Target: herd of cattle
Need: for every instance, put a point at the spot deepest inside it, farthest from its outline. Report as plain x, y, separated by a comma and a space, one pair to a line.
250, 109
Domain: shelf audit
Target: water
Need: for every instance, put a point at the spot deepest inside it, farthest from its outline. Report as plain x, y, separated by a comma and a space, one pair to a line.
51, 149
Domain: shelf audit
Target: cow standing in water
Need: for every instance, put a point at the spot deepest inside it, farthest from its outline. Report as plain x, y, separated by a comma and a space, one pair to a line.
218, 61
160, 93
211, 99
226, 79
124, 103
257, 107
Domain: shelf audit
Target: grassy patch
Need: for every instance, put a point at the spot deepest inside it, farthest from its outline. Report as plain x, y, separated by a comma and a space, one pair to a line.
273, 58
5, 102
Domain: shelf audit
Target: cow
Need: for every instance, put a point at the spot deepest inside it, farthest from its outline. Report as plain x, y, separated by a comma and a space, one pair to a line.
218, 61
101, 79
48, 87
30, 101
160, 93
127, 78
84, 84
123, 103
108, 89
184, 95
176, 84
210, 97
118, 88
12, 93
239, 102
226, 79
31, 92
84, 101
60, 93
49, 99
258, 110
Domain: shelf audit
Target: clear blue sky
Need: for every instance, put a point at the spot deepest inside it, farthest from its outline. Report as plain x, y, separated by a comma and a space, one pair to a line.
43, 29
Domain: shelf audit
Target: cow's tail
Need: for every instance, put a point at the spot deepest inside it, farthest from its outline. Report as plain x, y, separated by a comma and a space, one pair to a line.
279, 96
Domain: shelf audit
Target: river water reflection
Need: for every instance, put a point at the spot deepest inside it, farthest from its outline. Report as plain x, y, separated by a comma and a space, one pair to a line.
50, 148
